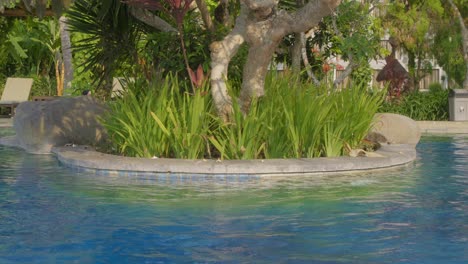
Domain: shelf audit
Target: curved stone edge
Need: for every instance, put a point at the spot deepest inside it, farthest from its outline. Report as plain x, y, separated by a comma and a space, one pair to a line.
84, 158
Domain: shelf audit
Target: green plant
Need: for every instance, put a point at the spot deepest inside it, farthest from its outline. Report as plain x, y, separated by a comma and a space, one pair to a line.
108, 38
435, 87
43, 86
300, 111
155, 119
19, 54
432, 105
243, 137
187, 123
294, 119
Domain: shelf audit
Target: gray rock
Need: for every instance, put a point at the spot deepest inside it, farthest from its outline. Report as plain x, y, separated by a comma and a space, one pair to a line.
376, 137
395, 129
41, 125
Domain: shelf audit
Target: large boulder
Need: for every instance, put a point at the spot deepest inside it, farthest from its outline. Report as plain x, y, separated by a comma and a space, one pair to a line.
41, 125
394, 129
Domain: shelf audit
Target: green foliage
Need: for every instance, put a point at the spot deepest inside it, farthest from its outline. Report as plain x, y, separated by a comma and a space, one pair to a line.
412, 24
43, 86
294, 119
109, 38
447, 47
431, 106
185, 123
25, 51
158, 120
244, 136
165, 55
159, 50
20, 54
317, 122
351, 33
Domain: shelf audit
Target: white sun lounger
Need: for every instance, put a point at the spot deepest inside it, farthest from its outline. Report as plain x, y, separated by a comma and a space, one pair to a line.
16, 90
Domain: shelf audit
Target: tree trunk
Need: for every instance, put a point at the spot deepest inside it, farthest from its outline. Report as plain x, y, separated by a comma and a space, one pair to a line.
66, 56
412, 68
296, 53
464, 33
205, 14
255, 70
221, 54
262, 25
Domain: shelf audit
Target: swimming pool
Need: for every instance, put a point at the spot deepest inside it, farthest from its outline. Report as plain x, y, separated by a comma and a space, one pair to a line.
416, 214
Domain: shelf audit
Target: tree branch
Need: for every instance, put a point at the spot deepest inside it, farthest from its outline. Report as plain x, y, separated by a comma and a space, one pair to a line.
349, 69
150, 19
205, 14
310, 73
311, 14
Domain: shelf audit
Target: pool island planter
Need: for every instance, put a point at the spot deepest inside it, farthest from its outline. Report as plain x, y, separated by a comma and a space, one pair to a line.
84, 158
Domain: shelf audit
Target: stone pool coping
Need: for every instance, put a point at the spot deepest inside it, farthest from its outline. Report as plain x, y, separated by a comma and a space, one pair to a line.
84, 158
443, 127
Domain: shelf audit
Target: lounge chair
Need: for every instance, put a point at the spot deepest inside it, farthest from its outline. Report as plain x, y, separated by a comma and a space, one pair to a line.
16, 91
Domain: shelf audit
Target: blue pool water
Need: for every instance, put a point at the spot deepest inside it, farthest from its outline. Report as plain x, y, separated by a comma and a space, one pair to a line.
416, 214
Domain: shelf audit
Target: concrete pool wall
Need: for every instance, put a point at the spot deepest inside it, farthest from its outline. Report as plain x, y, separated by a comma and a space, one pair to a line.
85, 158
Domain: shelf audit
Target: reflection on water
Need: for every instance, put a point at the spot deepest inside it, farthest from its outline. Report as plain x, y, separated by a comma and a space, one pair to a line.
414, 214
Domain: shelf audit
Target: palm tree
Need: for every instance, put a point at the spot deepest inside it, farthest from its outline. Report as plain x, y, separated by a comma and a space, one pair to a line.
39, 8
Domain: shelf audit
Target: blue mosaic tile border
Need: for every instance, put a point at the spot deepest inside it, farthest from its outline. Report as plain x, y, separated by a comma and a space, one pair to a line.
165, 177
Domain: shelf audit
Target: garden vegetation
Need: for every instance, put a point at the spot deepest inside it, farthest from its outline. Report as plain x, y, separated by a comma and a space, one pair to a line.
295, 119
432, 105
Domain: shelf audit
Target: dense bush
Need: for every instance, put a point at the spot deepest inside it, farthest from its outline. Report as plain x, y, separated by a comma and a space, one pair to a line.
431, 105
295, 119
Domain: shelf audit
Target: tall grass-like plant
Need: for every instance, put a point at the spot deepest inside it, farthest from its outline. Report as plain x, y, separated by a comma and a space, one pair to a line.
298, 112
130, 124
186, 123
294, 120
353, 112
160, 121
244, 136
310, 121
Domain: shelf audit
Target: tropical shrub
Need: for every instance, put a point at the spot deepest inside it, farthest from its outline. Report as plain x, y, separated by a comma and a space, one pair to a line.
431, 105
43, 86
294, 120
316, 121
159, 121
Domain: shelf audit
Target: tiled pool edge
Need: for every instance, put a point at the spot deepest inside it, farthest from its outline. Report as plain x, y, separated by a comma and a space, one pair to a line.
104, 164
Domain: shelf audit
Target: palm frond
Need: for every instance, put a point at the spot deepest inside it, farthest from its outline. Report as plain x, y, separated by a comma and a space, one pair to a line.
110, 33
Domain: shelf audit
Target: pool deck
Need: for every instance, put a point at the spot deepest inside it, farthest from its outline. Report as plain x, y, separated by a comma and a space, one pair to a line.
85, 159
443, 127
6, 122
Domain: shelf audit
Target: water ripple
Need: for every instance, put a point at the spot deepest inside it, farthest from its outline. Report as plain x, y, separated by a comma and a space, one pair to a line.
415, 214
